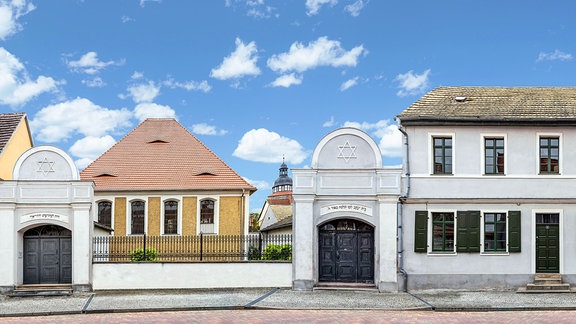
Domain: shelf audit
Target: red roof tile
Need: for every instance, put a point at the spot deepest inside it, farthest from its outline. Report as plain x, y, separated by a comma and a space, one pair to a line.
160, 154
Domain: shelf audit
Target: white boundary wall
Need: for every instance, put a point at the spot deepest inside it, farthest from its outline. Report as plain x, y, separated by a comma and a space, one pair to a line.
112, 276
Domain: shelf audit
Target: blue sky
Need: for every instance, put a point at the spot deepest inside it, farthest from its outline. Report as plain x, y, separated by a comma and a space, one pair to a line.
256, 80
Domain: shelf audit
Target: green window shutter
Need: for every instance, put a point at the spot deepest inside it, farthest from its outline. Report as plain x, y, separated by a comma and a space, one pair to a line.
421, 232
468, 231
514, 232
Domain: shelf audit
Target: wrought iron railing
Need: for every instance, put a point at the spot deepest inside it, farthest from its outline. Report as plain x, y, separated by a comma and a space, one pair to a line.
203, 247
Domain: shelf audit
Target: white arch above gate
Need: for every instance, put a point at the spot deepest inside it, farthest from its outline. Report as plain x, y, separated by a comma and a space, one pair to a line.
347, 148
45, 162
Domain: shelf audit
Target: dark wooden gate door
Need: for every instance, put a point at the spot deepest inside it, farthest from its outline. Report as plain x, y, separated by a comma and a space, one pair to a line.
346, 252
547, 243
47, 255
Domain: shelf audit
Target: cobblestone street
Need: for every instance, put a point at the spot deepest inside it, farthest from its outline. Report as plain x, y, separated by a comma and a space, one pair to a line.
307, 316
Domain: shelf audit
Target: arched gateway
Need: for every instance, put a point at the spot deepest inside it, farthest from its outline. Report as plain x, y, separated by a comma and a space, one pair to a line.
45, 222
345, 214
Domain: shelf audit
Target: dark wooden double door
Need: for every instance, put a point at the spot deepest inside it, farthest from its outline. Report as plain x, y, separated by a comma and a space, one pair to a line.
346, 252
48, 255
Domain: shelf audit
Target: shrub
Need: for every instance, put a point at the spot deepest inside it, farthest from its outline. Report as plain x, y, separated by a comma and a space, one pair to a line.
138, 255
253, 253
277, 252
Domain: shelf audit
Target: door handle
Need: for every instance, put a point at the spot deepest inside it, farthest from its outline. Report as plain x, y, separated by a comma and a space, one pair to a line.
337, 255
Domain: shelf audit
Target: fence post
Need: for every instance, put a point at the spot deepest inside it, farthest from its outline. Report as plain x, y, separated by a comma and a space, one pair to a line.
201, 235
260, 244
144, 246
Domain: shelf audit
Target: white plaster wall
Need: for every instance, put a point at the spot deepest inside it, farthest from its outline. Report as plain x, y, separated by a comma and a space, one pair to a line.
8, 247
190, 275
303, 241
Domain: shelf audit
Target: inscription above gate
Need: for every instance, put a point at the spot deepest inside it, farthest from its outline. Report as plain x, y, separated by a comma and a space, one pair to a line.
346, 208
43, 216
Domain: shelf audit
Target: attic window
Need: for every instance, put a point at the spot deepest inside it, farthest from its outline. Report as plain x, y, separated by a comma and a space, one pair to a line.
157, 141
203, 173
105, 175
460, 99
206, 171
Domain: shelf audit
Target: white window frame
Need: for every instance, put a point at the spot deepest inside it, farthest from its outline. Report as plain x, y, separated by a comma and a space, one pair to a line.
560, 153
129, 201
431, 232
216, 200
483, 138
178, 199
431, 153
482, 225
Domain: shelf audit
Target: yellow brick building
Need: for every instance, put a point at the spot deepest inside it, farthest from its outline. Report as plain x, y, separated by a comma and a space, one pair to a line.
160, 180
15, 139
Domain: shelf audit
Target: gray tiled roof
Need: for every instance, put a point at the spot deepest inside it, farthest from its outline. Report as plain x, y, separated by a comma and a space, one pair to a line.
8, 124
493, 104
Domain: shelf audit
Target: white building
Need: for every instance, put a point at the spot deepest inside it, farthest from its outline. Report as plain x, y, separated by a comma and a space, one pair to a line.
45, 223
345, 215
490, 196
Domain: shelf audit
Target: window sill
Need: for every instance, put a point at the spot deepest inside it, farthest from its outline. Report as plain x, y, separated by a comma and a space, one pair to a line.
499, 253
440, 254
494, 174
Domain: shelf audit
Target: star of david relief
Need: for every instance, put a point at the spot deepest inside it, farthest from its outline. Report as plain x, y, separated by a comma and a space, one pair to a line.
45, 166
347, 152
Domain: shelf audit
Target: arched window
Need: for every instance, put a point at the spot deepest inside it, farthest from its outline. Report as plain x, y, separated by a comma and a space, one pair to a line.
105, 213
207, 216
171, 217
137, 217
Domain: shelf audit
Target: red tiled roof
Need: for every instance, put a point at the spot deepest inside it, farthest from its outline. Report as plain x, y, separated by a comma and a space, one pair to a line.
8, 124
160, 154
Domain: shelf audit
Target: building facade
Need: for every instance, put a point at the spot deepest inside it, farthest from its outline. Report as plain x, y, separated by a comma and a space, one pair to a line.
15, 139
345, 215
161, 180
489, 200
45, 222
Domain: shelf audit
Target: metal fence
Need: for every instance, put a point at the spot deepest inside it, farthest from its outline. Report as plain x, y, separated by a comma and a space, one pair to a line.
203, 247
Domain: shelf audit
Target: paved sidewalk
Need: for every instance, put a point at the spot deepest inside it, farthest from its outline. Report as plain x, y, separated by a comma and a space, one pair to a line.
274, 298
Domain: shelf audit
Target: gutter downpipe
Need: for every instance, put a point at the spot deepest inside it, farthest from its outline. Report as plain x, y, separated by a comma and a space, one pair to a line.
400, 203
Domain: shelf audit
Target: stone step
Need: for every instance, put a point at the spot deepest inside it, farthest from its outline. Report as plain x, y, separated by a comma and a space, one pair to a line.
548, 277
345, 286
41, 290
549, 287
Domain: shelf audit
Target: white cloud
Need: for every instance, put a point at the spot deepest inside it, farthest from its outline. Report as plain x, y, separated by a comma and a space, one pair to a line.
329, 123
287, 80
205, 129
262, 145
153, 110
10, 12
355, 8
349, 84
145, 92
259, 184
137, 75
557, 55
96, 82
78, 116
127, 19
143, 2
242, 62
189, 85
313, 6
89, 148
412, 84
89, 64
321, 52
390, 138
16, 88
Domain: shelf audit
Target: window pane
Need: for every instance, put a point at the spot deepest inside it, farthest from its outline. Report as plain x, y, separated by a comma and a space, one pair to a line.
137, 217
171, 217
207, 212
554, 142
105, 213
500, 142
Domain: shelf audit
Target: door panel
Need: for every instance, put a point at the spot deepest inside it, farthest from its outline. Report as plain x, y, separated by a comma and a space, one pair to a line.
47, 255
346, 255
547, 248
